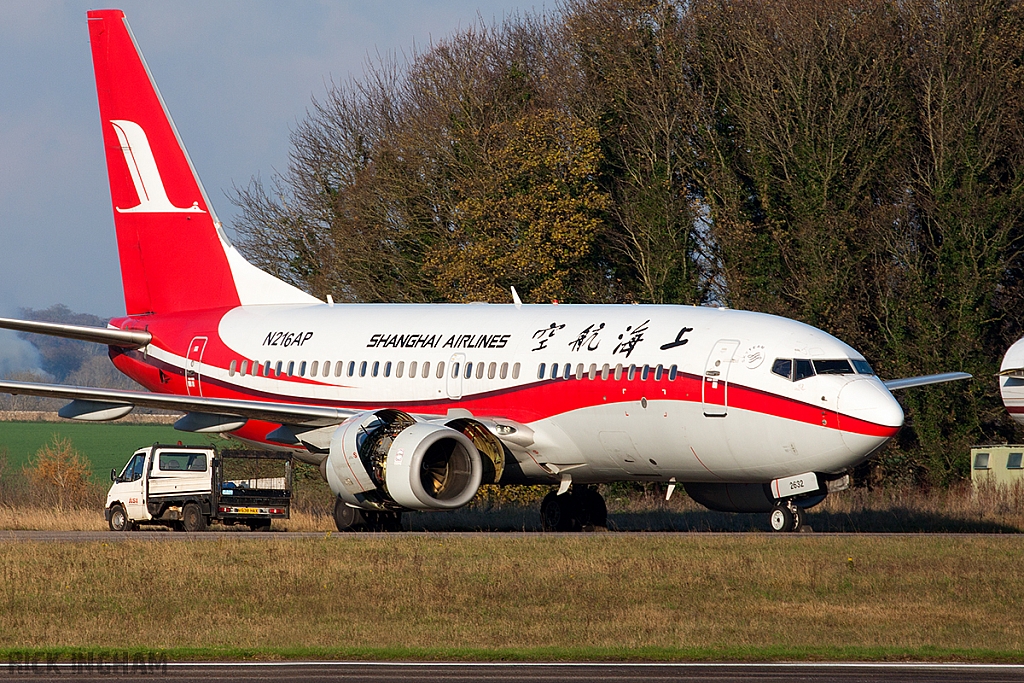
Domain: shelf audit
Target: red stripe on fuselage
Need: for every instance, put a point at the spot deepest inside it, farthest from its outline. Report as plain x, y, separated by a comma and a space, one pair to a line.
530, 402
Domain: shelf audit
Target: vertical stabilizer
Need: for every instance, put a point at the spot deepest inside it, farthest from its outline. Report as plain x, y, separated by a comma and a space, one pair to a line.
174, 257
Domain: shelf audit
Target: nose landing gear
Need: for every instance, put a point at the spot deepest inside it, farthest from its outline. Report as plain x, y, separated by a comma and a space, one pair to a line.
786, 516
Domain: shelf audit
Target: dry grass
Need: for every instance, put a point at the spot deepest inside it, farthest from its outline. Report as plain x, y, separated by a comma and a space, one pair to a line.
598, 593
956, 510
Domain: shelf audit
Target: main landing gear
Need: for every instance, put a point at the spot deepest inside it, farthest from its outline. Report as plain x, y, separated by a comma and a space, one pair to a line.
786, 516
580, 509
353, 519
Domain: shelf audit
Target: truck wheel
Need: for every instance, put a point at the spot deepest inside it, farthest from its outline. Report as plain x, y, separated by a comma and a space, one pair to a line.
119, 520
192, 518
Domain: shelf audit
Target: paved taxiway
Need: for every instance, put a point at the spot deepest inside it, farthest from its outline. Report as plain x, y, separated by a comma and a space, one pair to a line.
409, 672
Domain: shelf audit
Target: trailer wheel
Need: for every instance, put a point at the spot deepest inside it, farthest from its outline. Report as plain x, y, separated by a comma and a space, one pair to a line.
119, 519
192, 518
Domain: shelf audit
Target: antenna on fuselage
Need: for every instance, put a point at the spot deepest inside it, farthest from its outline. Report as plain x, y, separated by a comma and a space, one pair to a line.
515, 298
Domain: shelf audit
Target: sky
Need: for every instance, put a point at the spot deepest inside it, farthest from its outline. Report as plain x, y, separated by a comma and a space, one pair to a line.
236, 76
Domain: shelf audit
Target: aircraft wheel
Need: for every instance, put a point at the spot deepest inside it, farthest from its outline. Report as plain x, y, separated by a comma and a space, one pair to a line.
799, 517
347, 518
591, 512
383, 521
119, 519
558, 513
781, 518
192, 518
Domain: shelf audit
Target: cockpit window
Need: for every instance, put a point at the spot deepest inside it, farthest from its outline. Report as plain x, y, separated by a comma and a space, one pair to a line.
803, 370
783, 367
833, 367
862, 367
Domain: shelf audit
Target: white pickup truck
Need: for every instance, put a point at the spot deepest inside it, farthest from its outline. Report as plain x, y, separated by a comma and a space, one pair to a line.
184, 487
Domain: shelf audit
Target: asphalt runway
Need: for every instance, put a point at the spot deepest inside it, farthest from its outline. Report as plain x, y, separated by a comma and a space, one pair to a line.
167, 535
412, 672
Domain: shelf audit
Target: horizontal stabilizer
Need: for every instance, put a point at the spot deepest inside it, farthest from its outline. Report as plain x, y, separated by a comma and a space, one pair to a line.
125, 339
924, 380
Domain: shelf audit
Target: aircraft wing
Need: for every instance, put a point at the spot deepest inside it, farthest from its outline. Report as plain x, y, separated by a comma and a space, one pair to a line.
923, 380
90, 403
126, 339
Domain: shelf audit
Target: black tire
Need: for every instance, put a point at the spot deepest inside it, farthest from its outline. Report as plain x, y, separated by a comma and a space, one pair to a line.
558, 513
799, 518
260, 525
347, 518
781, 518
591, 512
383, 521
192, 518
119, 519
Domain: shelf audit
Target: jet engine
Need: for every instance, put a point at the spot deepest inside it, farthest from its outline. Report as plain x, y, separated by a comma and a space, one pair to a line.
387, 460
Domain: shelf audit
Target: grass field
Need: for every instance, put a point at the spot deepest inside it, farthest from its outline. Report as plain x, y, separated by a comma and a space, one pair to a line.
598, 596
106, 445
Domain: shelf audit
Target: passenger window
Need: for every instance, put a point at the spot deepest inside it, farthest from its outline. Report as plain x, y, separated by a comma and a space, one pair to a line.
540, 371
783, 367
455, 370
515, 371
804, 369
504, 371
313, 367
673, 372
412, 369
479, 370
400, 369
440, 368
244, 369
604, 371
631, 373
579, 371
376, 367
593, 371
426, 370
351, 368
618, 372
266, 369
469, 370
491, 369
645, 373
387, 369
302, 369
658, 372
327, 369
231, 369
568, 371
362, 369
291, 368
554, 371
278, 368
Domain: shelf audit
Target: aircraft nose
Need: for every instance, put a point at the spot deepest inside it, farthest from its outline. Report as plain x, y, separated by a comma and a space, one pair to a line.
868, 414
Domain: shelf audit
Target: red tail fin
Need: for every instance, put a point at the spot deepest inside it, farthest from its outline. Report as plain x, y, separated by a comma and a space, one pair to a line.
173, 256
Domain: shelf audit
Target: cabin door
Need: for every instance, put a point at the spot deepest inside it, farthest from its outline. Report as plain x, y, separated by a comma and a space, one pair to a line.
716, 378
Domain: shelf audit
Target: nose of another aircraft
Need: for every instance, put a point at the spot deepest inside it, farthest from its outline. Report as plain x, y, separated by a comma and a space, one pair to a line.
876, 414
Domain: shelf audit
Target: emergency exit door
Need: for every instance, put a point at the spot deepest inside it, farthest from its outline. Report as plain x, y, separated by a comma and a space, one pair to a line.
194, 366
716, 378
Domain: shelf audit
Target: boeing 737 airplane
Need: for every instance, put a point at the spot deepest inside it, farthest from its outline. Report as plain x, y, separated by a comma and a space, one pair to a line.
413, 407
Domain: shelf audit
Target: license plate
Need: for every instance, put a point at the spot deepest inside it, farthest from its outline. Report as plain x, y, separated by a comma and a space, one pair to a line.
248, 511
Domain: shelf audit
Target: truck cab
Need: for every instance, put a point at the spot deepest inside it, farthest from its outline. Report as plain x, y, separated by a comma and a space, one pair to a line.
184, 487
